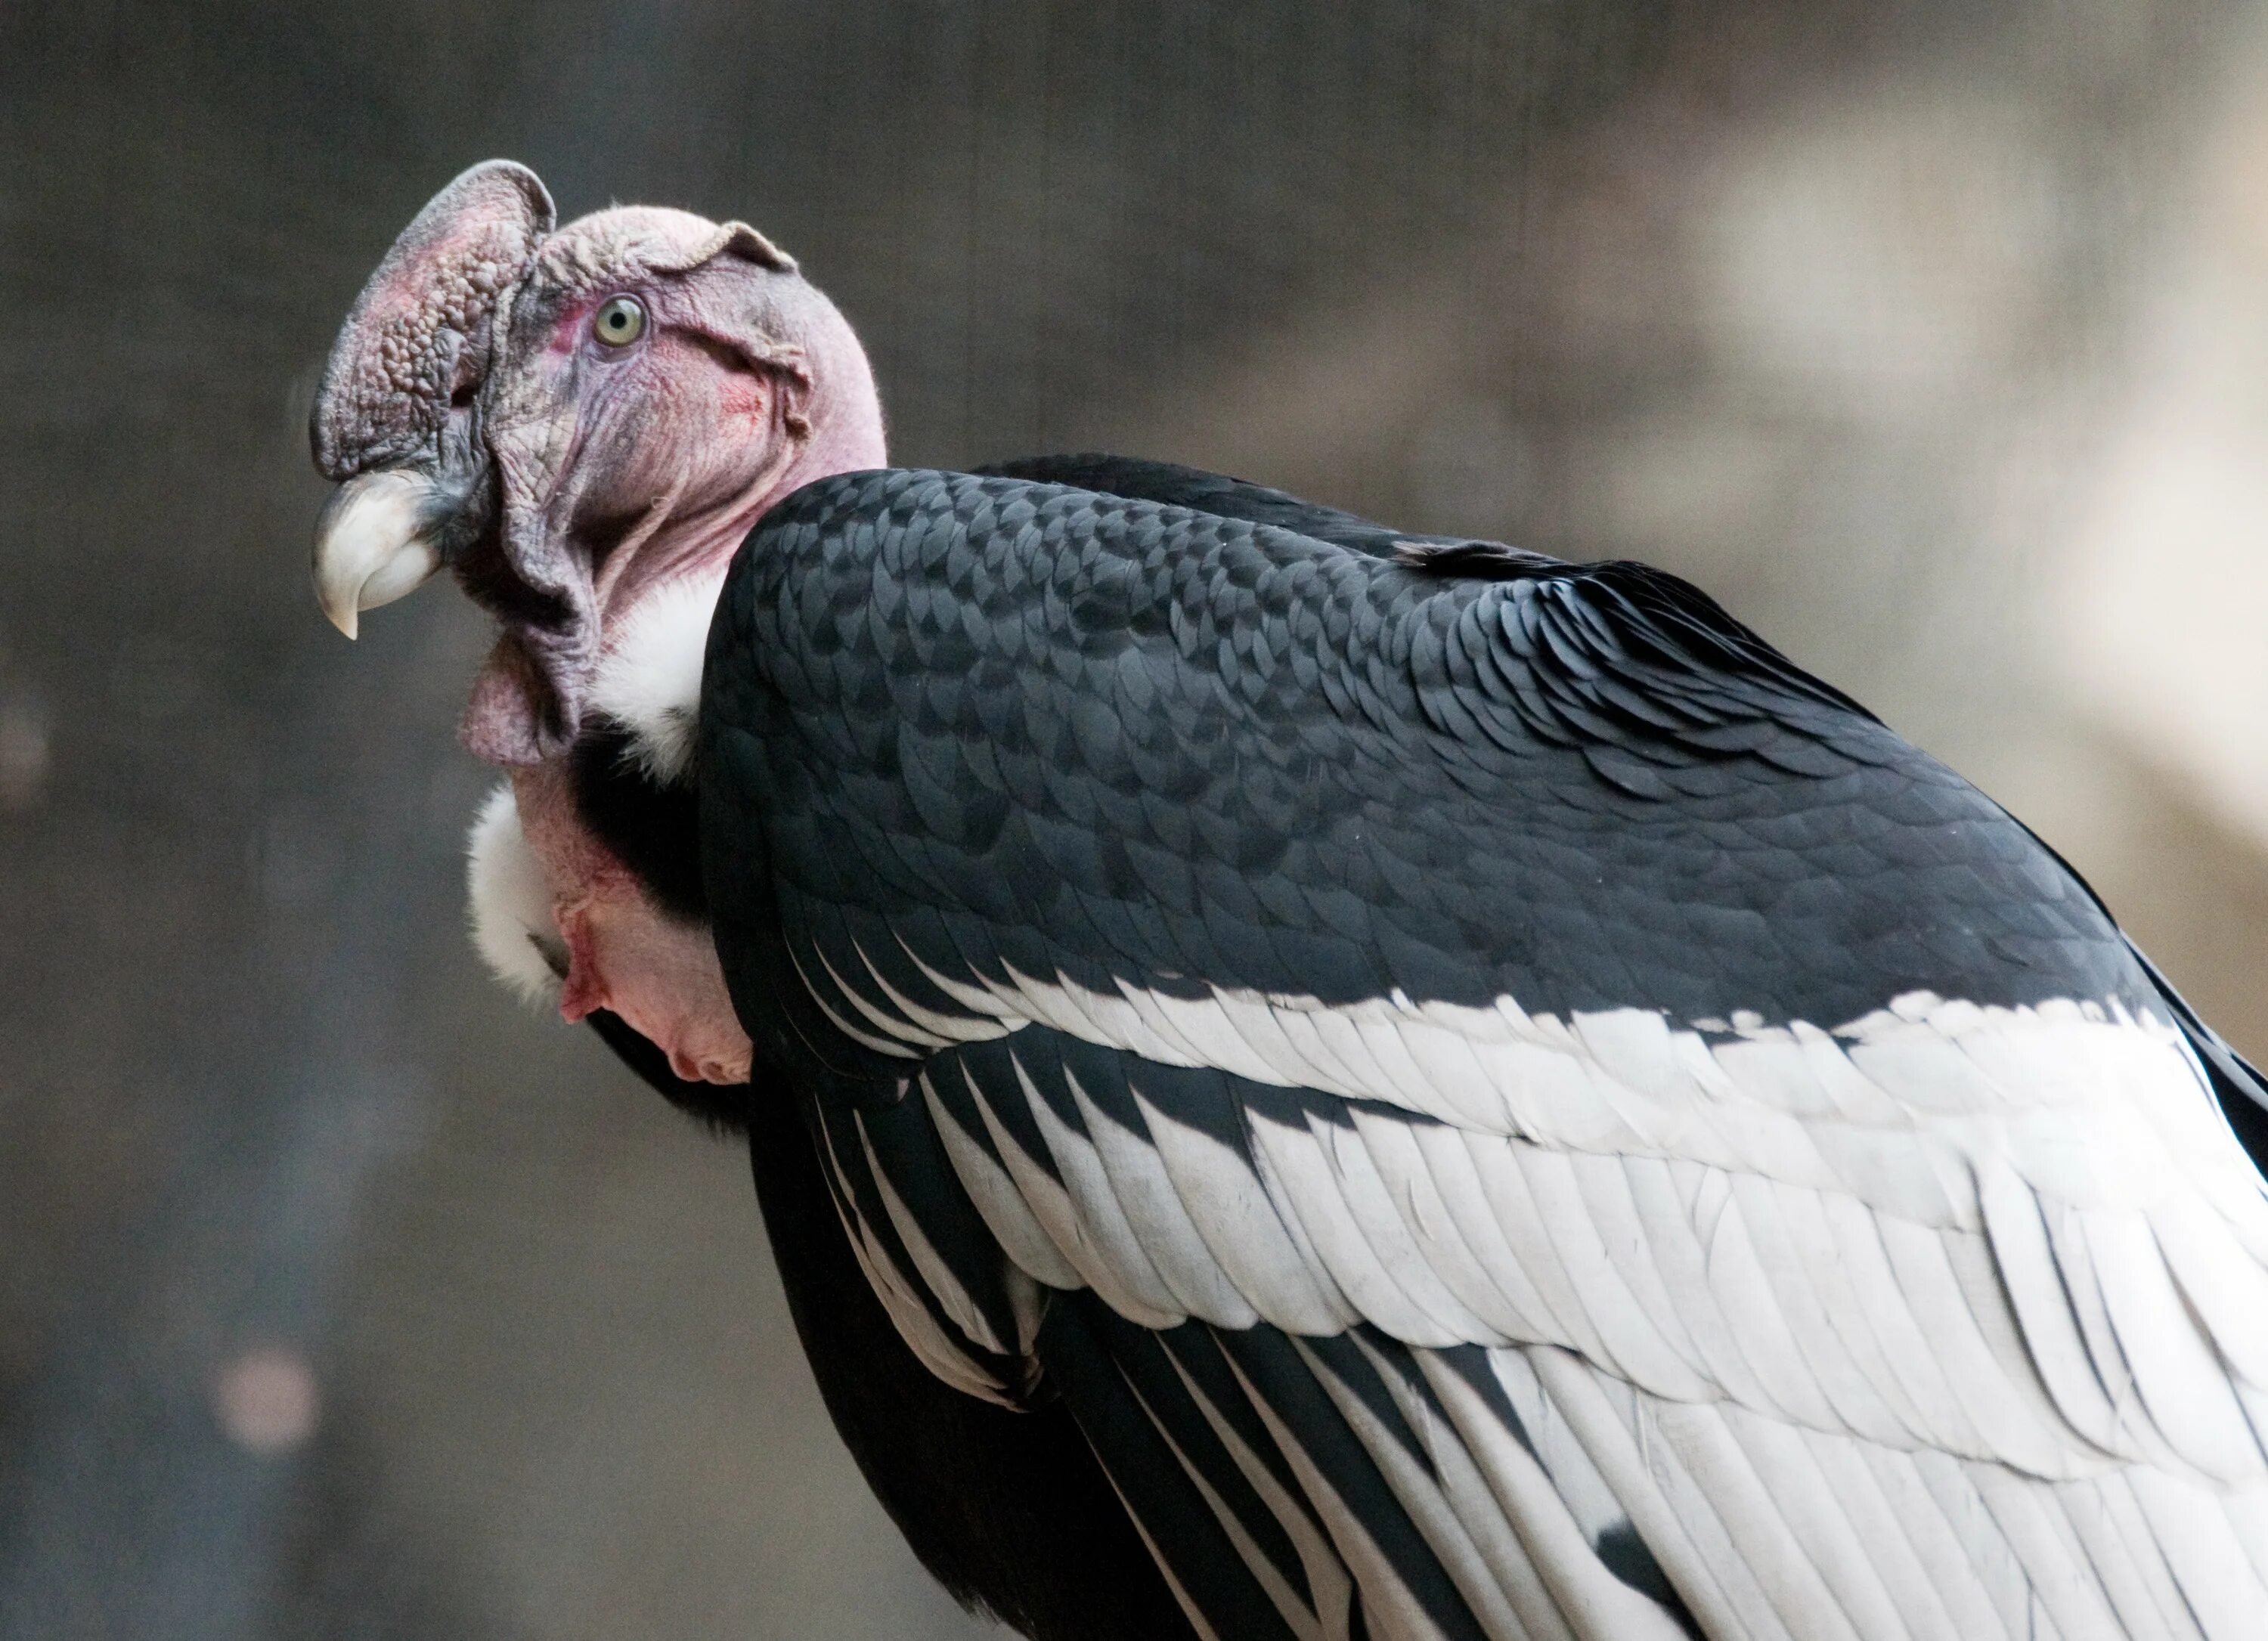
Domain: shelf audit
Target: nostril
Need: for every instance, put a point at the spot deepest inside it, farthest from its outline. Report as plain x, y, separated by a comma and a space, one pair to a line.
462, 397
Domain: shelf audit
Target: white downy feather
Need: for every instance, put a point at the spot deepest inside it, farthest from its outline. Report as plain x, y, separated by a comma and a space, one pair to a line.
509, 903
649, 680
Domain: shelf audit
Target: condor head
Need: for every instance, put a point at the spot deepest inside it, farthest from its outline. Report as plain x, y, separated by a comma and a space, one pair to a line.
572, 420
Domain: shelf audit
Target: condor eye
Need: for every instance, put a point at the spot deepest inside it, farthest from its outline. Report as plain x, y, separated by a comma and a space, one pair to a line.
621, 322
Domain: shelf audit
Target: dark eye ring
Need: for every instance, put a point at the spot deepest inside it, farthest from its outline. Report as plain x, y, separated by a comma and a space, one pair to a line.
620, 322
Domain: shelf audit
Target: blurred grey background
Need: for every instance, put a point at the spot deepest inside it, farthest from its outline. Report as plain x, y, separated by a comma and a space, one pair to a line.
340, 1299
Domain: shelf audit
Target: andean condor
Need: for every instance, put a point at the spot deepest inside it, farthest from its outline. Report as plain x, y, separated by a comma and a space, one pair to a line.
1307, 1080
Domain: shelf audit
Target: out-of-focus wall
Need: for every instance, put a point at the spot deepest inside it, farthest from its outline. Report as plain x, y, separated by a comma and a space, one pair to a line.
339, 1299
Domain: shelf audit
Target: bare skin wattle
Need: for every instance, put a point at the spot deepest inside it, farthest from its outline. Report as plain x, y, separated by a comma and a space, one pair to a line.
623, 952
476, 417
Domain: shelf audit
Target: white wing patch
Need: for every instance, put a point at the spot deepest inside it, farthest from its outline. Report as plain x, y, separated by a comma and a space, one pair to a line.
1797, 1102
1949, 1321
938, 1350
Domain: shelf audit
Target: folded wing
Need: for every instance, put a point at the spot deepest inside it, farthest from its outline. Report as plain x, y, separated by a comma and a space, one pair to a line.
1503, 1106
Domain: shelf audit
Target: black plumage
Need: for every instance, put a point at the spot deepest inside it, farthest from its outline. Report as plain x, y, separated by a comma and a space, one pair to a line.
1585, 787
1072, 832
648, 824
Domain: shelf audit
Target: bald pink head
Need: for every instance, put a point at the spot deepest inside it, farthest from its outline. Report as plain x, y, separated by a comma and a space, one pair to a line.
572, 419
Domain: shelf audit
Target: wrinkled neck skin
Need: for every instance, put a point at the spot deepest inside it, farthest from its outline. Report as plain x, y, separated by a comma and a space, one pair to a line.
624, 953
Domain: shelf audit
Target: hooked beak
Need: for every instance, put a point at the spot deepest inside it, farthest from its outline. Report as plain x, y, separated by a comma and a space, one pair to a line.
376, 540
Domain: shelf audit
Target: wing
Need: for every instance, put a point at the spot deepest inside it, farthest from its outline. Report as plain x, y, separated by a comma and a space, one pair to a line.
1503, 1106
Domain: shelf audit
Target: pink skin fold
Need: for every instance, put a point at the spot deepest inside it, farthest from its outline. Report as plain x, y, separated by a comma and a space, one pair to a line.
659, 974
